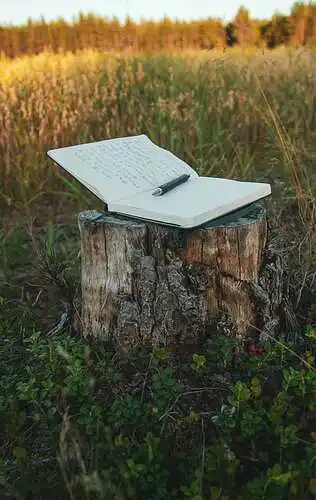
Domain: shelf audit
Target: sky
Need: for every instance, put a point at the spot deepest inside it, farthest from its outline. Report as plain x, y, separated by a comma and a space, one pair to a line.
17, 11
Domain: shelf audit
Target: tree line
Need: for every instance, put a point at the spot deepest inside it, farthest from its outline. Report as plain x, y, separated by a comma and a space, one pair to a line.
94, 32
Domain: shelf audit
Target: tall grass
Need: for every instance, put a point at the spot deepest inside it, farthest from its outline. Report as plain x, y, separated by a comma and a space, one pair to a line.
243, 115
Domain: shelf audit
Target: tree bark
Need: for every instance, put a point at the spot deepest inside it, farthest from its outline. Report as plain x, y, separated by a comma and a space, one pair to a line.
148, 283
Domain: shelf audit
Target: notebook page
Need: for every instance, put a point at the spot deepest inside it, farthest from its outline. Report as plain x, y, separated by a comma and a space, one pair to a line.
195, 202
116, 168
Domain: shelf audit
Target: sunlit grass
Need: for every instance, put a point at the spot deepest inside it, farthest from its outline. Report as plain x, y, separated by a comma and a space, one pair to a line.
242, 114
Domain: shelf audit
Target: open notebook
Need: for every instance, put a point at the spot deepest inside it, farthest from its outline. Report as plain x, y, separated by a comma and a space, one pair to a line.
123, 172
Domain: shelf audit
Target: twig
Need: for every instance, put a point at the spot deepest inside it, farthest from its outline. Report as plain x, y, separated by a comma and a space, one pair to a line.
37, 297
308, 365
168, 412
61, 325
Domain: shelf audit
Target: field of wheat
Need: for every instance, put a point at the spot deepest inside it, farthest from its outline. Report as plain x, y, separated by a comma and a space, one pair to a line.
234, 114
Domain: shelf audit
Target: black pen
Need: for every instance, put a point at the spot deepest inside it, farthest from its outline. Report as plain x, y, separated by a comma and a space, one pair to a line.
164, 188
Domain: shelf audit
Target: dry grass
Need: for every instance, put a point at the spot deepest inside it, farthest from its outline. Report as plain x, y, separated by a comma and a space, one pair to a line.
238, 114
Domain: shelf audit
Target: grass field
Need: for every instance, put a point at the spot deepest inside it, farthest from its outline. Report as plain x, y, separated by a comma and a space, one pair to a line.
244, 115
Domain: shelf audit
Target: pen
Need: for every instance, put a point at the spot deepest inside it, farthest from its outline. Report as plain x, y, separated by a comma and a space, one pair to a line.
164, 188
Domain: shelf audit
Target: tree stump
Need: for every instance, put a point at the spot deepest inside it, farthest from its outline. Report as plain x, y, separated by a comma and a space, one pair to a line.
145, 283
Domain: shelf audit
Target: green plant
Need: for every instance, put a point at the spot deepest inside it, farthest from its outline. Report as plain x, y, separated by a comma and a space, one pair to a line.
199, 363
165, 387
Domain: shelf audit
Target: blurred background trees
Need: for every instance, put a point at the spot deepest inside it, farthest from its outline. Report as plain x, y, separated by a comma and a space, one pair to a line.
88, 31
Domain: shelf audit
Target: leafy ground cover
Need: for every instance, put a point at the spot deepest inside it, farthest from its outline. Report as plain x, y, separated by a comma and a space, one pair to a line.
218, 423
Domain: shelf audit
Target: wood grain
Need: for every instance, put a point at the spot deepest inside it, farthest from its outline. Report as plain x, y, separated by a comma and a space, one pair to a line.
155, 284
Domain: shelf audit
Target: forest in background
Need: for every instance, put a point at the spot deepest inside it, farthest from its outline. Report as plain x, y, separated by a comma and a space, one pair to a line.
89, 31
